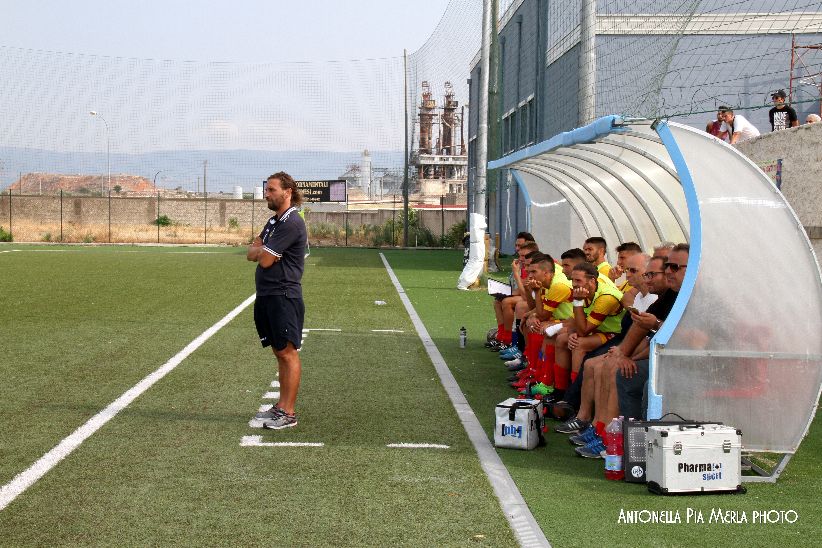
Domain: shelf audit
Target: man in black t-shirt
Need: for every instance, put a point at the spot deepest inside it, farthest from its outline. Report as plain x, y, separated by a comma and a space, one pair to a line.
631, 379
279, 252
781, 115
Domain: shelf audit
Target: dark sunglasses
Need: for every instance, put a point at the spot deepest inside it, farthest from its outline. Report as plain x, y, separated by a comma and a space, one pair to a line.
650, 275
674, 266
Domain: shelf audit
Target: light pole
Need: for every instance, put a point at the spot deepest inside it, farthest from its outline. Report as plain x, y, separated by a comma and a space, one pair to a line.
108, 150
155, 180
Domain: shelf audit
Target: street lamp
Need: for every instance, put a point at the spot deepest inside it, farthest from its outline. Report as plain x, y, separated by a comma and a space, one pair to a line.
108, 150
155, 180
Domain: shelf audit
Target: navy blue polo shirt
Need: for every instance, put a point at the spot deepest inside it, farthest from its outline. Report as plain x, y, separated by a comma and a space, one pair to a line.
284, 238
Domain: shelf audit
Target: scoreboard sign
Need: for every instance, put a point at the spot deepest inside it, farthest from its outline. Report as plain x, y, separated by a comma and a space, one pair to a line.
322, 191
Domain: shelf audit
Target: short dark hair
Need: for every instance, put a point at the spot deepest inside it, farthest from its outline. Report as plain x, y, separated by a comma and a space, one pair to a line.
682, 247
597, 240
287, 182
540, 258
525, 236
629, 246
725, 109
589, 269
530, 256
575, 253
529, 245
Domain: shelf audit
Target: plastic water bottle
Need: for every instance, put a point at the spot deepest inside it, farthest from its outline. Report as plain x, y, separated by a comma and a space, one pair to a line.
613, 450
463, 337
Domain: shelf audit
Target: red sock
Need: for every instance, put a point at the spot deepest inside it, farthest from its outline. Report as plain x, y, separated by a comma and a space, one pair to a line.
532, 344
504, 336
547, 366
574, 375
600, 428
560, 377
500, 331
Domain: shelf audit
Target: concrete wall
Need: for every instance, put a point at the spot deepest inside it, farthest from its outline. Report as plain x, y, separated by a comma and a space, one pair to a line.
800, 150
192, 212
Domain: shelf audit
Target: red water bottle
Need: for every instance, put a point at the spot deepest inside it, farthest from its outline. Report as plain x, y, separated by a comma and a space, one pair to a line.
613, 450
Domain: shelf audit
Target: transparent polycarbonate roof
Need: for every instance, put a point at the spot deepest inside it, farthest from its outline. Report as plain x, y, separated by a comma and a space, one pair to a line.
742, 345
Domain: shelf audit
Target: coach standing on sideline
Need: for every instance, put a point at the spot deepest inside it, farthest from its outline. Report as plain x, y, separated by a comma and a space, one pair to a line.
279, 252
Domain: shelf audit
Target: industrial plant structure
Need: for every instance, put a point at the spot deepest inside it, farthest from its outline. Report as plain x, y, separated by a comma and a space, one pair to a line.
440, 159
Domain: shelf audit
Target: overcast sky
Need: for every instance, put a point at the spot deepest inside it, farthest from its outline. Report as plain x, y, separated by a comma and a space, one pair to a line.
317, 81
240, 30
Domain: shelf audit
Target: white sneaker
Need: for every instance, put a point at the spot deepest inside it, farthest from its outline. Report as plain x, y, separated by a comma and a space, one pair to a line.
516, 363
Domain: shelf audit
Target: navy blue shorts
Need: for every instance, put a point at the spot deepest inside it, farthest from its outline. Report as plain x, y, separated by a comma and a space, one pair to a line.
279, 320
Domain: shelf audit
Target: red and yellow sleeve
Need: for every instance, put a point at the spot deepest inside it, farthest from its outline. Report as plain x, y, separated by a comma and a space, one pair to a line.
604, 306
555, 296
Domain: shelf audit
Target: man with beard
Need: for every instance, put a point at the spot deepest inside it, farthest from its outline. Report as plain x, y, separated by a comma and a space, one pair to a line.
279, 252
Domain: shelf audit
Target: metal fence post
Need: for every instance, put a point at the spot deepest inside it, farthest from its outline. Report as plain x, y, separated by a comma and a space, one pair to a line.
442, 221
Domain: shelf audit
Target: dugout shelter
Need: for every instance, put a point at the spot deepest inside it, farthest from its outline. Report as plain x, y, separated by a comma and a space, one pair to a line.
742, 344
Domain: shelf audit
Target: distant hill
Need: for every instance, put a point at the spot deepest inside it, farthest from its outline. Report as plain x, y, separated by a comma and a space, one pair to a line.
226, 168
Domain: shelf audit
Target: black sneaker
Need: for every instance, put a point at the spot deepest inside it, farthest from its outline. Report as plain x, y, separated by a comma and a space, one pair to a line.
573, 425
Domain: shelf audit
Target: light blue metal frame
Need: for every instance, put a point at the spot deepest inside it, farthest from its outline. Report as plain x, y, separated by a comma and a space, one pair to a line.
526, 198
694, 259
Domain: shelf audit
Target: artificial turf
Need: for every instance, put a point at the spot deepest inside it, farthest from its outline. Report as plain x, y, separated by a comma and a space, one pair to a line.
83, 325
88, 323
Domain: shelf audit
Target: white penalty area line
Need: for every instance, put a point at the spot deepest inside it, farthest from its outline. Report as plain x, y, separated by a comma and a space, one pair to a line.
519, 516
28, 477
387, 331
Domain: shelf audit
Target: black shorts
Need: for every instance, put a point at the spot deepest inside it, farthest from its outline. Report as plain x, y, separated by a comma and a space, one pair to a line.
279, 320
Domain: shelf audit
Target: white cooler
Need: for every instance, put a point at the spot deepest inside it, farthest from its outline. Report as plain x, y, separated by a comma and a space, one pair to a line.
519, 424
694, 459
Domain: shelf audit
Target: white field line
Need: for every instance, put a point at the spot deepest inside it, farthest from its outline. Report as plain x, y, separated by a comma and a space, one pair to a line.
387, 331
519, 516
28, 477
418, 445
257, 441
318, 329
35, 250
271, 395
275, 384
